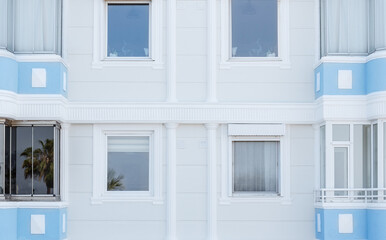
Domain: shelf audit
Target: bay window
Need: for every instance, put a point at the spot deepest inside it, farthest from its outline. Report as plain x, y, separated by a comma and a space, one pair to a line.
29, 165
31, 26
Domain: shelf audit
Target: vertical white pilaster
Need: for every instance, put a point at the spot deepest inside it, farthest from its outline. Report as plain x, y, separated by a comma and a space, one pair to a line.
64, 161
212, 180
171, 219
329, 157
171, 52
211, 51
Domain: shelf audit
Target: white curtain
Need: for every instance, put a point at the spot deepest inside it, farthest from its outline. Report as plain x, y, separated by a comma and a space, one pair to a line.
36, 26
255, 166
378, 35
3, 23
345, 27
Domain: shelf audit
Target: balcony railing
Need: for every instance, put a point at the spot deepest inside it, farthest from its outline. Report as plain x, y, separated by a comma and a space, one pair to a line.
352, 195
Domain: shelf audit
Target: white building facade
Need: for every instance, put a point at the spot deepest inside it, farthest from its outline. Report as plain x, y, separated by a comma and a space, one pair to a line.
192, 119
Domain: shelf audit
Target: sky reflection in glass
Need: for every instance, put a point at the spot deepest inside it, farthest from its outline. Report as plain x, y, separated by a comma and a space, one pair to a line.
254, 28
128, 30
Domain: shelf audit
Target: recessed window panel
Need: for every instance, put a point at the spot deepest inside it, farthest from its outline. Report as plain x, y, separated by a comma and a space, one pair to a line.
341, 167
341, 132
254, 28
255, 166
128, 30
128, 163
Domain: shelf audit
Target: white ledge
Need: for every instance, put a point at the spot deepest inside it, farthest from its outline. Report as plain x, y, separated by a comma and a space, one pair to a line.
33, 57
32, 204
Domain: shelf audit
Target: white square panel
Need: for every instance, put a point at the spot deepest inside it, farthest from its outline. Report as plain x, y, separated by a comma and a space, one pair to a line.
38, 224
318, 82
39, 78
345, 79
346, 224
64, 81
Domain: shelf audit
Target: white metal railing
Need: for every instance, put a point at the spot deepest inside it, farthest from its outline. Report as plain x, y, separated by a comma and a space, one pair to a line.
352, 195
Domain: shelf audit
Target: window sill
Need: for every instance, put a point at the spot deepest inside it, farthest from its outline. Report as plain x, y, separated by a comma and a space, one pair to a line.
103, 199
255, 62
127, 62
31, 204
32, 57
256, 199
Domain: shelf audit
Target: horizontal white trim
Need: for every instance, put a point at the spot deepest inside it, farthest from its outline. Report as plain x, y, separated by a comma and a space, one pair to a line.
351, 59
57, 107
97, 201
33, 57
31, 204
278, 199
256, 129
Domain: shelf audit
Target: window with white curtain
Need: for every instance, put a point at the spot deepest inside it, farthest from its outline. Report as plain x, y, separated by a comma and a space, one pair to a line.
255, 166
344, 27
377, 25
31, 26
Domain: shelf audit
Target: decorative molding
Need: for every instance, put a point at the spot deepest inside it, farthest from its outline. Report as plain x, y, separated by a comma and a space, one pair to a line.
171, 205
33, 57
64, 162
256, 129
212, 180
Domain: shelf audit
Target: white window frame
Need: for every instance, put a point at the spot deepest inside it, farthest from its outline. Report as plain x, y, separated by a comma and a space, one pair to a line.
101, 133
255, 132
282, 60
100, 58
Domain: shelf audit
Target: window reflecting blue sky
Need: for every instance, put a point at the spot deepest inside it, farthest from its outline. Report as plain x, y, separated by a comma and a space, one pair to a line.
254, 28
128, 30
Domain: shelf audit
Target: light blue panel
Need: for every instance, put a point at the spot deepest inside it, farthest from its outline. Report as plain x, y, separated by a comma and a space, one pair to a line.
8, 224
53, 224
376, 75
54, 71
330, 224
8, 74
329, 79
319, 235
376, 224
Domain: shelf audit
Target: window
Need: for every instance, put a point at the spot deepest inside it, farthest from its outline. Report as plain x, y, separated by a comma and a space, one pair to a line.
128, 29
128, 33
254, 33
254, 28
31, 26
29, 165
352, 27
127, 163
255, 166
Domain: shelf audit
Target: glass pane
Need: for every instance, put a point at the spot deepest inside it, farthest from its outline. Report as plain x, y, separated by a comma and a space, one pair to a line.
128, 30
340, 132
322, 156
7, 159
362, 156
3, 23
254, 28
36, 26
341, 167
377, 24
43, 162
255, 166
375, 156
344, 26
22, 170
128, 163
2, 158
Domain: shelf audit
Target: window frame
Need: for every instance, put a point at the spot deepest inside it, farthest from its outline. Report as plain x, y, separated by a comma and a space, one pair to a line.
57, 161
281, 60
100, 58
255, 132
100, 162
